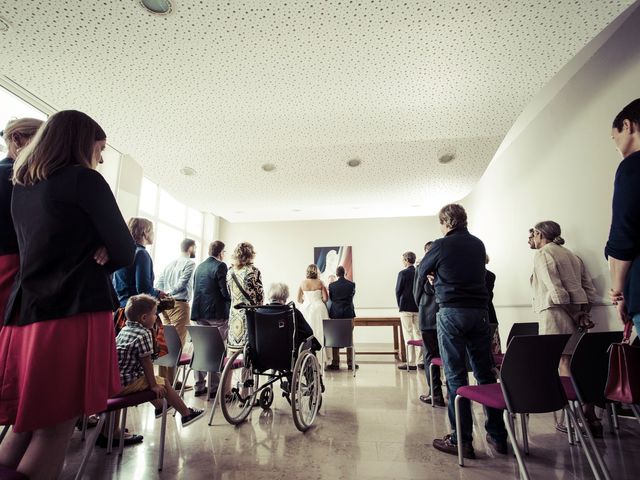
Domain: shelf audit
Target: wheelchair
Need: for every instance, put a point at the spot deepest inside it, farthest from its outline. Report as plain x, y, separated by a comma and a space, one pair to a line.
272, 356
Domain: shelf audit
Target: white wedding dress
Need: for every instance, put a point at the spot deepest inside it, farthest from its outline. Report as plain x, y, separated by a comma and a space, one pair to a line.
314, 311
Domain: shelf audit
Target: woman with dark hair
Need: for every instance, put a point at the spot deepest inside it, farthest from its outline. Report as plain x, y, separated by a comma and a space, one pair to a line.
17, 135
57, 346
245, 286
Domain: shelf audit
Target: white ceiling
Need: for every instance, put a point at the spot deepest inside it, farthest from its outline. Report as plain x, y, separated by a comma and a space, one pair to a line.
224, 87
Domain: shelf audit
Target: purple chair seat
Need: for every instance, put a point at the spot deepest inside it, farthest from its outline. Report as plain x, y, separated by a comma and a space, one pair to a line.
237, 363
489, 395
569, 391
437, 361
415, 343
131, 400
498, 358
10, 474
185, 359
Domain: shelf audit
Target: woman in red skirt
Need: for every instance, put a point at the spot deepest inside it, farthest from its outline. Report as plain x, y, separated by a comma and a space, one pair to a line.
57, 347
16, 135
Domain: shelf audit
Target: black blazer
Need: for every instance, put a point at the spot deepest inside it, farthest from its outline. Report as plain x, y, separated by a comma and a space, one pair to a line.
60, 223
425, 296
211, 299
404, 289
8, 240
341, 293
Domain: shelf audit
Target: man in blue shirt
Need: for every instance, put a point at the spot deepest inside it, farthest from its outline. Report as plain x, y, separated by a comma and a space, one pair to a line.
457, 262
623, 246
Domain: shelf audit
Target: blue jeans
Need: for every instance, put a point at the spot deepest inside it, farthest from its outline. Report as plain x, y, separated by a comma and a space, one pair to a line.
636, 323
463, 331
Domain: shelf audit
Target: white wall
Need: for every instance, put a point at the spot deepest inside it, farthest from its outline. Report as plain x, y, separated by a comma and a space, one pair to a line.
285, 249
560, 167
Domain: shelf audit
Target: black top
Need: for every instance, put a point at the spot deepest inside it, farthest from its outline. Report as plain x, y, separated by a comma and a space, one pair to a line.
341, 293
60, 223
490, 281
458, 262
425, 297
135, 278
404, 289
624, 236
211, 299
8, 240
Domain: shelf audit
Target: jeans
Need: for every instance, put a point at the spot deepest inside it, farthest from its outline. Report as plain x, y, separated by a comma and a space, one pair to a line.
462, 332
431, 350
636, 323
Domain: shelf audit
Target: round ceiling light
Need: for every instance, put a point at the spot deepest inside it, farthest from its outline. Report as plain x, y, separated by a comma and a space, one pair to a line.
157, 7
4, 25
268, 167
446, 157
188, 171
354, 162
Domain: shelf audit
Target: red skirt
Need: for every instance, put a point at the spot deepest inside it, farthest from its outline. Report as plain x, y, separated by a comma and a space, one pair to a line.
9, 266
56, 370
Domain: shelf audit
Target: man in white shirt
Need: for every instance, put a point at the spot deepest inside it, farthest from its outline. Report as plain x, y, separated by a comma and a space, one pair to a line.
177, 281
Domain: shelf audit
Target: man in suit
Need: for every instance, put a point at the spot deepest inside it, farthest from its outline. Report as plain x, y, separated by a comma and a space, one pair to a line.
408, 308
211, 303
341, 294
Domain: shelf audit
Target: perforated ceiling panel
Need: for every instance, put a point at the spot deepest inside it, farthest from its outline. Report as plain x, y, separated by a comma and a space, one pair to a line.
224, 87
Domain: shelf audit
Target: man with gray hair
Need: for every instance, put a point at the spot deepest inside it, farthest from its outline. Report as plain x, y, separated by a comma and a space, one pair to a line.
457, 262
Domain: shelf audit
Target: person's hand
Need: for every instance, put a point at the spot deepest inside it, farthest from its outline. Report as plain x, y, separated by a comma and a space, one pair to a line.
615, 296
162, 294
431, 278
101, 256
621, 307
159, 390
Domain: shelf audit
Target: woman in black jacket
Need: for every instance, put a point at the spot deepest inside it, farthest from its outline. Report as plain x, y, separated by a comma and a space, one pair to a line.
57, 347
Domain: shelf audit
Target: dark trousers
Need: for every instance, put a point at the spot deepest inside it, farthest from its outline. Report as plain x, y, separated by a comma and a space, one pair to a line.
462, 332
431, 350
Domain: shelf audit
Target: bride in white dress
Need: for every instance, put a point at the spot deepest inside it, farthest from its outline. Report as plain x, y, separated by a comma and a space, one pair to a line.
312, 297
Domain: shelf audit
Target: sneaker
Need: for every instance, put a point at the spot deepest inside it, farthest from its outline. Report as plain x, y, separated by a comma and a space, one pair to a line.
194, 414
404, 367
159, 411
500, 447
446, 445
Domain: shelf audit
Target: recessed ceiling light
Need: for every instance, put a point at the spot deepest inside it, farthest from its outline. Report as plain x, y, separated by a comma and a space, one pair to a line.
354, 162
4, 25
446, 157
268, 167
415, 206
157, 7
296, 210
239, 212
188, 171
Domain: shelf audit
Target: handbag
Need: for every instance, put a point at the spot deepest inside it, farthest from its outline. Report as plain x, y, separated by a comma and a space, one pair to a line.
623, 382
242, 290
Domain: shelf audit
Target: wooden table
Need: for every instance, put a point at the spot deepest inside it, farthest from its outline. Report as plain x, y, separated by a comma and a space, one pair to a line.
399, 349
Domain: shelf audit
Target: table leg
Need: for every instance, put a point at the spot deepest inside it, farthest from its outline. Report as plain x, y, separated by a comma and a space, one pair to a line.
403, 347
395, 342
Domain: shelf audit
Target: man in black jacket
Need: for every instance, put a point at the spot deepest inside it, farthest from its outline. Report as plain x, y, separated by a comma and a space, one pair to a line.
341, 294
457, 262
211, 303
408, 308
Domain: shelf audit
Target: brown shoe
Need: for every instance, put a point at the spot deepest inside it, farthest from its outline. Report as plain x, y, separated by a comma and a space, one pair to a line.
446, 445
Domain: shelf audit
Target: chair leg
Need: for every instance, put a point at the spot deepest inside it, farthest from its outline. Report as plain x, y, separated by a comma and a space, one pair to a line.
569, 425
514, 444
184, 382
353, 360
91, 444
85, 421
112, 421
163, 431
5, 429
592, 443
215, 402
458, 428
123, 423
609, 408
525, 433
636, 411
585, 448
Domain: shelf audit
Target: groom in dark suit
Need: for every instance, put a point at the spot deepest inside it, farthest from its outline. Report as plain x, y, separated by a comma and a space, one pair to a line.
341, 294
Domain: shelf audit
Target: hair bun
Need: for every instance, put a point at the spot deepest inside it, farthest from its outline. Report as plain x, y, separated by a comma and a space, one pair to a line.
558, 240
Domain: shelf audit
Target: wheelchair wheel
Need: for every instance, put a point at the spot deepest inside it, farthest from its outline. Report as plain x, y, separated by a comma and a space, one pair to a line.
305, 390
238, 391
266, 397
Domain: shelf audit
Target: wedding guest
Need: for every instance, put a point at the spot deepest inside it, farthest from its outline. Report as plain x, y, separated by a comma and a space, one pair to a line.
341, 293
490, 280
408, 308
312, 296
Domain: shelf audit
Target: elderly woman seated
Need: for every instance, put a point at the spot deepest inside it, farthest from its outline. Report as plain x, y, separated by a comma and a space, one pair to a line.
278, 295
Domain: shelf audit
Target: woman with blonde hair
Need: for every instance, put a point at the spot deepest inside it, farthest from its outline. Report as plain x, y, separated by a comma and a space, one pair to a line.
312, 297
58, 357
244, 281
17, 135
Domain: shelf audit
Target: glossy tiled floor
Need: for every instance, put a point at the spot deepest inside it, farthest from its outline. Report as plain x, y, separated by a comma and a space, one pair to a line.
370, 427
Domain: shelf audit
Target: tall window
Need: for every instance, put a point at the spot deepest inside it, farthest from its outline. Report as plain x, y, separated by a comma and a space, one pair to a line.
14, 107
173, 221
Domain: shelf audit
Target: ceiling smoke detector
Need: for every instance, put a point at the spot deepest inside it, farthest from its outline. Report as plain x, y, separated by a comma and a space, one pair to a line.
157, 7
188, 171
446, 157
354, 162
268, 167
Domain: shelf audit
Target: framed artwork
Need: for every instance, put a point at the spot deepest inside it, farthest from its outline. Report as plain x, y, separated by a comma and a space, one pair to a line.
329, 258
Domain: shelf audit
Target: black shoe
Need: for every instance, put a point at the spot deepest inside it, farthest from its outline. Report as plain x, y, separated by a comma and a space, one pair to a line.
404, 367
159, 411
500, 447
421, 366
179, 386
332, 367
213, 394
438, 400
92, 421
350, 367
194, 414
200, 393
132, 439
447, 446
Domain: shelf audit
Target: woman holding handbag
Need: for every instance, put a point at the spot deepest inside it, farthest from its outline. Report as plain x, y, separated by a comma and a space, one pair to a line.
244, 281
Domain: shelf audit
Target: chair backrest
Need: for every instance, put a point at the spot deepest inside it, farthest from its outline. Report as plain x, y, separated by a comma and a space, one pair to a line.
529, 374
174, 346
525, 328
590, 365
338, 332
208, 348
271, 331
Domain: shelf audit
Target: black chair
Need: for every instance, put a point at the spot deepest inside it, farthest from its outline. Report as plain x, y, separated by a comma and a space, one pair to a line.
517, 330
208, 355
174, 346
338, 333
522, 389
